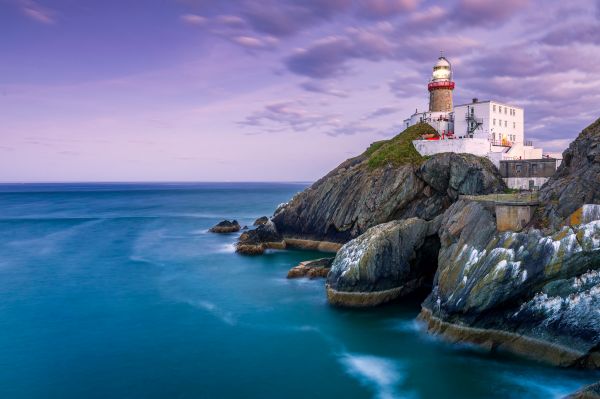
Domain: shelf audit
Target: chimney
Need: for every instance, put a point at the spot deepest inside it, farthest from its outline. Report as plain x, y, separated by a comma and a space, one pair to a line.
475, 100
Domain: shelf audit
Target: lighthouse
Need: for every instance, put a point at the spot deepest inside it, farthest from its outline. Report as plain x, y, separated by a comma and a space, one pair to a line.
441, 86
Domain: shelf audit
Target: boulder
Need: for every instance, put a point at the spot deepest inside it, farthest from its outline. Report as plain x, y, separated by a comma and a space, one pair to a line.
226, 226
311, 268
260, 221
256, 241
386, 262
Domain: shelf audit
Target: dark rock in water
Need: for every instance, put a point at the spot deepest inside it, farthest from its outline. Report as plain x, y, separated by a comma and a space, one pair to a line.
527, 292
261, 220
311, 268
255, 242
226, 226
354, 197
387, 261
589, 392
577, 180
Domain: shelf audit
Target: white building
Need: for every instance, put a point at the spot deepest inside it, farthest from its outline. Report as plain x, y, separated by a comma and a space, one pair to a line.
484, 128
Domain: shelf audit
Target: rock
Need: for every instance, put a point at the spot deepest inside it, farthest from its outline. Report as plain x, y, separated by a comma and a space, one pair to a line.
527, 292
255, 242
387, 261
225, 226
589, 392
311, 268
245, 227
261, 220
354, 196
577, 180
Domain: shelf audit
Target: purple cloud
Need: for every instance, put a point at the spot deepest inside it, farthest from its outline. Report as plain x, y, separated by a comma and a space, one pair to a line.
38, 13
379, 9
486, 12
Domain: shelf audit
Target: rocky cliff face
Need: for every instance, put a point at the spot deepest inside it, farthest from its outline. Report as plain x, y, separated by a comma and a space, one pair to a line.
576, 181
356, 196
525, 291
535, 292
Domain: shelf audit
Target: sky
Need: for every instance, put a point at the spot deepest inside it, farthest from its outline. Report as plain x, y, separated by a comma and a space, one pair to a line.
270, 90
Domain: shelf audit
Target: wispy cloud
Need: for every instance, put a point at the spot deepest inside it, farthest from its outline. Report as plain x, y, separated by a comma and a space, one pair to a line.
38, 13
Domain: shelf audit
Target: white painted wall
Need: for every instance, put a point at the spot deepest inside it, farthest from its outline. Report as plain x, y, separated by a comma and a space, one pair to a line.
522, 183
500, 121
474, 146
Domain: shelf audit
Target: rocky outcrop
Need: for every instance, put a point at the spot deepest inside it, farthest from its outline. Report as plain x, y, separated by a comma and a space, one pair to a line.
589, 392
226, 226
311, 268
255, 242
388, 261
527, 292
577, 180
354, 197
260, 221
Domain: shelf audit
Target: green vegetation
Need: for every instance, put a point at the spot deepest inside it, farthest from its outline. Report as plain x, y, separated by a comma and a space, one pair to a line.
398, 150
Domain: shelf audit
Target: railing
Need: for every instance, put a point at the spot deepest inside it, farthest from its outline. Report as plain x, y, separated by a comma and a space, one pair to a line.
440, 85
502, 143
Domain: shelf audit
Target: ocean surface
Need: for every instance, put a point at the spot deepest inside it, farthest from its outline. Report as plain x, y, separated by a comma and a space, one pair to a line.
119, 291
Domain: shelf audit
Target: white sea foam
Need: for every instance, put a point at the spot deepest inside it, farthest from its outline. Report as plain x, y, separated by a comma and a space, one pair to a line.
539, 386
223, 315
409, 326
377, 373
226, 248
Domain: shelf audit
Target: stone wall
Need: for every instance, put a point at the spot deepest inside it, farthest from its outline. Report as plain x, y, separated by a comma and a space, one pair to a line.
513, 217
440, 100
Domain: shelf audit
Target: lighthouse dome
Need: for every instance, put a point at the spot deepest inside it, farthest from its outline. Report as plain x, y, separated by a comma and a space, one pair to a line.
442, 70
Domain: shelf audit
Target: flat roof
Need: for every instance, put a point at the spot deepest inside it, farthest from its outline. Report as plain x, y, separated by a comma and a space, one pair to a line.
489, 101
530, 160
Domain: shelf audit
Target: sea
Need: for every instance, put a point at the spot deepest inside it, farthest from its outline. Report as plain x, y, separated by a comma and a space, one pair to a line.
120, 291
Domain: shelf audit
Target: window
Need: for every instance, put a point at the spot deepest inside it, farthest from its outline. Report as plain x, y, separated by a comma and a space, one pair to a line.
494, 107
519, 168
514, 125
499, 109
494, 122
533, 169
504, 110
505, 123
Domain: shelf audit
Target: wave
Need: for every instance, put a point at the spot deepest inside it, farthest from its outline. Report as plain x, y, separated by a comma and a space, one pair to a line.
223, 315
544, 386
380, 374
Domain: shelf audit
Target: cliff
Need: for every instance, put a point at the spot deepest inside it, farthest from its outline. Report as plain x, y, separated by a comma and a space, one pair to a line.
576, 181
404, 228
389, 181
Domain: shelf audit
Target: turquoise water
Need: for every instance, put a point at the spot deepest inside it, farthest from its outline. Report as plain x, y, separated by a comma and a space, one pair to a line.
118, 291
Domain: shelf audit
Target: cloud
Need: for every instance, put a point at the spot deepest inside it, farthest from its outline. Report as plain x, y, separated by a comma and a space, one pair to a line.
574, 33
383, 111
193, 19
284, 18
36, 12
288, 116
255, 43
327, 57
385, 8
319, 87
486, 12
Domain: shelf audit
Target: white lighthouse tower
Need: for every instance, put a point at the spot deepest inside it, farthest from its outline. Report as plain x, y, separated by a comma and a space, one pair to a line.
441, 86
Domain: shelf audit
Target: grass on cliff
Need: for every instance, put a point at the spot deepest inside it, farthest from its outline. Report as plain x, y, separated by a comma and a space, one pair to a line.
398, 150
